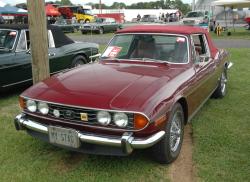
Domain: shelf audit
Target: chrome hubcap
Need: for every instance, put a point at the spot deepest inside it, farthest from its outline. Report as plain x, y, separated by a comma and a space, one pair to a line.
223, 83
175, 132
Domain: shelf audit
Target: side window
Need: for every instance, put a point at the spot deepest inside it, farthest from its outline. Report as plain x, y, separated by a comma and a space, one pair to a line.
200, 44
112, 20
22, 44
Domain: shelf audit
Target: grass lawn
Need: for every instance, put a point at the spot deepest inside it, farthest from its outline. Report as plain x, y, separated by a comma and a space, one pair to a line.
240, 33
221, 130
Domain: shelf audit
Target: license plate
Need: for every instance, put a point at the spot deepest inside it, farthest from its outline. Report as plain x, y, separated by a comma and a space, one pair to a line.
63, 136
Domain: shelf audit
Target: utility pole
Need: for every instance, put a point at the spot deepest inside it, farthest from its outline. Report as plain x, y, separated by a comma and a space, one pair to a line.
193, 5
38, 39
100, 6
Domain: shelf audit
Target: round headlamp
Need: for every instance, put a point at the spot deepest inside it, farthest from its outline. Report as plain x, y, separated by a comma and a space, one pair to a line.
56, 113
103, 117
121, 119
31, 105
43, 108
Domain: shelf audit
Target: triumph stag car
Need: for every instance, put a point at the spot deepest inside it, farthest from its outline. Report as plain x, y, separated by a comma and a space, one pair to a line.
149, 82
15, 58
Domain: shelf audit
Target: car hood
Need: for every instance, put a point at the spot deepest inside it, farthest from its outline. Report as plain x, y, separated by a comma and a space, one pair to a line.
105, 85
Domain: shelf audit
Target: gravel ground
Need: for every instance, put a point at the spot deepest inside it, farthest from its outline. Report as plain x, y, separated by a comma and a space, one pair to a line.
104, 39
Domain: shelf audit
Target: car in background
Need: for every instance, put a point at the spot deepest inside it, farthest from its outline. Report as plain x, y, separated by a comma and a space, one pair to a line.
197, 18
15, 58
101, 25
149, 18
150, 81
67, 26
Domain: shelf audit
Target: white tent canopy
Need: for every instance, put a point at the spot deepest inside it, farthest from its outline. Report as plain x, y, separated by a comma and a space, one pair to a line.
232, 3
2, 4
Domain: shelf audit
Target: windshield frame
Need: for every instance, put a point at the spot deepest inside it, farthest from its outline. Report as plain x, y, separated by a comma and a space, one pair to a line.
17, 35
147, 33
203, 14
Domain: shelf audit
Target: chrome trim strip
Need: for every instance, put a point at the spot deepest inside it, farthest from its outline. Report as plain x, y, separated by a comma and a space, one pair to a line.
16, 83
148, 33
90, 108
126, 141
28, 80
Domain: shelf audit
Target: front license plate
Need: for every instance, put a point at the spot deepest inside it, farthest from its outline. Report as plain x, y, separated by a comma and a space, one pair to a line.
63, 136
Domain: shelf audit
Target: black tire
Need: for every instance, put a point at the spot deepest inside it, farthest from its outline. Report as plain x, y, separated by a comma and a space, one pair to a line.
101, 30
221, 89
163, 152
87, 21
78, 61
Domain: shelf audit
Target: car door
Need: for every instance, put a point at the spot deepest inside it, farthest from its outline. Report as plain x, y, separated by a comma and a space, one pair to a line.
20, 69
108, 25
23, 58
60, 58
205, 75
114, 25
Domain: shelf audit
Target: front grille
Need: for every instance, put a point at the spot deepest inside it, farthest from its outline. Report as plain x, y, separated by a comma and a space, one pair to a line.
73, 115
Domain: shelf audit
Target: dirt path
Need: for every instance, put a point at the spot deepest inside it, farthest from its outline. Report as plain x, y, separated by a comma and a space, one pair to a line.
182, 170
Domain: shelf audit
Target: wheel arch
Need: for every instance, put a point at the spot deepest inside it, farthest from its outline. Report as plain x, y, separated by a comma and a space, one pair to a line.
184, 106
81, 54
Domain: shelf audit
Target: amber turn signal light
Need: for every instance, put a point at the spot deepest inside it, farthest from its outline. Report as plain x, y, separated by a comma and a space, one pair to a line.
140, 121
22, 103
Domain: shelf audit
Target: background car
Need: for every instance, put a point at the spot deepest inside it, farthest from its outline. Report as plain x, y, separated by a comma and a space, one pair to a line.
101, 25
67, 26
15, 58
149, 83
198, 18
149, 18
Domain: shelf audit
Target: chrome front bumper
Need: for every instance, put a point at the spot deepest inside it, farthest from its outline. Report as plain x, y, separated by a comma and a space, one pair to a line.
127, 142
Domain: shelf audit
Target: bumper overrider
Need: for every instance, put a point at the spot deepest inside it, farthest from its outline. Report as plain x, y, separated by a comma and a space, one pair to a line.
126, 143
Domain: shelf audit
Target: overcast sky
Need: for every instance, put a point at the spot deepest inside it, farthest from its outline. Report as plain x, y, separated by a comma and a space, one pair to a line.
107, 2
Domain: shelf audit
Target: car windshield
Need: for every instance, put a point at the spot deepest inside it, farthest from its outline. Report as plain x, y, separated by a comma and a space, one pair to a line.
7, 39
195, 14
148, 47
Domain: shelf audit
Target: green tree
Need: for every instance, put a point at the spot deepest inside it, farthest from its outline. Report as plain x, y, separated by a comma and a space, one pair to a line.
66, 2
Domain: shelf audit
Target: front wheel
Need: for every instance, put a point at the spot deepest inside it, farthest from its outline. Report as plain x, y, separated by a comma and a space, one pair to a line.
78, 61
168, 149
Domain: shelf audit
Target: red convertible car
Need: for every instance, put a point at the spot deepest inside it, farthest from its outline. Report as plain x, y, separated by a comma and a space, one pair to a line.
148, 84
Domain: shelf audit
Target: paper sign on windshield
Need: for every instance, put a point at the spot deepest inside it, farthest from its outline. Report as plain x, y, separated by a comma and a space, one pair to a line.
112, 51
180, 39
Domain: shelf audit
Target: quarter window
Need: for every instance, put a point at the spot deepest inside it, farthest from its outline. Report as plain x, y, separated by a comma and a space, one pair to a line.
200, 44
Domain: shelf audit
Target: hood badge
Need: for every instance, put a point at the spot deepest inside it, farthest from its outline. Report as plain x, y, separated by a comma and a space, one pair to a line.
84, 116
